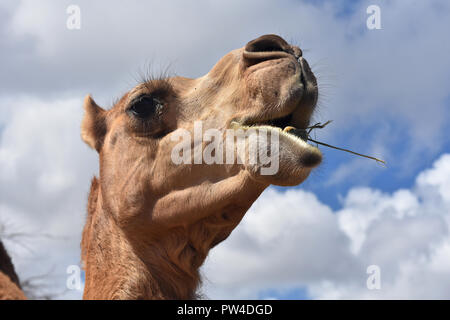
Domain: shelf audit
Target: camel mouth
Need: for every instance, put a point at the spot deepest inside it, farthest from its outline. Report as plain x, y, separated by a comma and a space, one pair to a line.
291, 141
294, 138
283, 123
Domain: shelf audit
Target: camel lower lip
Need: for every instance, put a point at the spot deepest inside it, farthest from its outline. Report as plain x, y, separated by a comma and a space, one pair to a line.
298, 135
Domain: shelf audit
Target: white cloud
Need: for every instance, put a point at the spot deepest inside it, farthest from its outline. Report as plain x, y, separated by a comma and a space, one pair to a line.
399, 74
291, 240
437, 179
45, 171
393, 81
287, 240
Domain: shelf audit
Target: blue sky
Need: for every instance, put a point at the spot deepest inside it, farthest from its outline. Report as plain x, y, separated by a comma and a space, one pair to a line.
387, 92
357, 136
387, 178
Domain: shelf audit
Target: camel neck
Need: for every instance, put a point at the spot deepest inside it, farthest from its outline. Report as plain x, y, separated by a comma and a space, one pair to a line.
128, 265
142, 260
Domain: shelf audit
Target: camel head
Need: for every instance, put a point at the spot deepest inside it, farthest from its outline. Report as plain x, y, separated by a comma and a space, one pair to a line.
156, 182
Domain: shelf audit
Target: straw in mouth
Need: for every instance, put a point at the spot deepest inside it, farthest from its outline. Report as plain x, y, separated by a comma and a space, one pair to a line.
321, 126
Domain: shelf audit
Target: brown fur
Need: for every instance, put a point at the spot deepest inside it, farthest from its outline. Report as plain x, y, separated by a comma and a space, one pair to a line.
9, 281
150, 222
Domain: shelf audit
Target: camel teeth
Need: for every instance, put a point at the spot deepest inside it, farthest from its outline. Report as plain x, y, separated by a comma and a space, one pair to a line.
235, 125
288, 128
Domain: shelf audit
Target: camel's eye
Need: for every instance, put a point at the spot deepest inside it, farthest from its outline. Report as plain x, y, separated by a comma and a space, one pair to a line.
145, 106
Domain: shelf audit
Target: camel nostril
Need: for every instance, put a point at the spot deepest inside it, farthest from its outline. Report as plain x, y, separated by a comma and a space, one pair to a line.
268, 43
265, 48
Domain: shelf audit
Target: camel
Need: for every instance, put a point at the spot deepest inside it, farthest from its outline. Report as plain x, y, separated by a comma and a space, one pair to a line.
9, 282
151, 222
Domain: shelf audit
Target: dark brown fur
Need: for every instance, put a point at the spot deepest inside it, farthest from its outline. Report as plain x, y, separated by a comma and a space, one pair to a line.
9, 281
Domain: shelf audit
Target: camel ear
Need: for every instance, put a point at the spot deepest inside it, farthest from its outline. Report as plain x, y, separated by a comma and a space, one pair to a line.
93, 126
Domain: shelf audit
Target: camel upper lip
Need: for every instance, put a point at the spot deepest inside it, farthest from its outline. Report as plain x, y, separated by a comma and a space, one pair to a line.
267, 47
271, 47
257, 57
